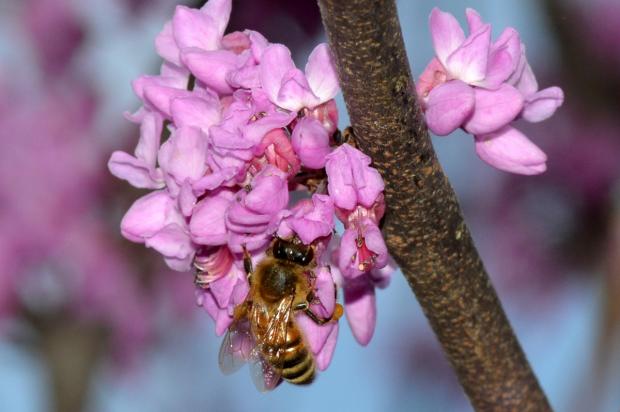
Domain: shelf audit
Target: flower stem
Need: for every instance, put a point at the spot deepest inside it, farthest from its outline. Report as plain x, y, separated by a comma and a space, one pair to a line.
424, 228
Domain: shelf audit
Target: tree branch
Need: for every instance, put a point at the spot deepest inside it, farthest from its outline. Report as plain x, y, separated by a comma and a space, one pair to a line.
424, 228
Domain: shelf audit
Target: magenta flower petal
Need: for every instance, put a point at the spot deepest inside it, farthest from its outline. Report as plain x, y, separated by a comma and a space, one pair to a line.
494, 109
223, 287
174, 243
276, 63
527, 83
351, 181
186, 198
201, 112
255, 131
503, 59
295, 92
447, 34
311, 143
211, 67
511, 151
135, 171
166, 46
324, 357
474, 21
148, 215
321, 73
207, 225
219, 11
269, 192
361, 310
312, 219
194, 28
184, 154
469, 62
448, 106
541, 105
325, 292
150, 137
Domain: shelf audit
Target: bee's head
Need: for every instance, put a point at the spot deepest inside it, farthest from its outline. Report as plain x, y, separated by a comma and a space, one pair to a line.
293, 252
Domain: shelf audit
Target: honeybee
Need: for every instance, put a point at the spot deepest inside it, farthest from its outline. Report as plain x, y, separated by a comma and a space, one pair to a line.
264, 331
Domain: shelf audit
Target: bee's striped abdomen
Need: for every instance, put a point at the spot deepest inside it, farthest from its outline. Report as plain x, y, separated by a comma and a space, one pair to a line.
296, 364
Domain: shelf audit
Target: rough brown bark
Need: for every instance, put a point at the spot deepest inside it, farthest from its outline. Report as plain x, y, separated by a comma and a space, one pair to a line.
424, 228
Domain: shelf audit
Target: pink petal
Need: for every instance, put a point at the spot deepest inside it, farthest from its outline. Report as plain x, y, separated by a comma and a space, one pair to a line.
494, 109
321, 73
276, 63
223, 287
255, 131
474, 21
187, 199
351, 181
541, 105
469, 62
311, 143
447, 34
259, 44
201, 112
166, 46
193, 28
174, 243
324, 357
150, 137
511, 151
148, 215
448, 106
360, 308
527, 83
211, 67
295, 92
207, 225
184, 155
503, 59
135, 171
219, 11
315, 220
316, 335
269, 192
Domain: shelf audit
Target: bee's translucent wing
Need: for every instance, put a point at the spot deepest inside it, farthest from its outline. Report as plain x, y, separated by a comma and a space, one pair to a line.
266, 373
264, 376
236, 348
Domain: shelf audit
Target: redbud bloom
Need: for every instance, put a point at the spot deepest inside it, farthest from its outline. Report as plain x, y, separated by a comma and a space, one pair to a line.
245, 128
483, 86
255, 215
141, 170
351, 180
291, 89
311, 142
156, 221
310, 219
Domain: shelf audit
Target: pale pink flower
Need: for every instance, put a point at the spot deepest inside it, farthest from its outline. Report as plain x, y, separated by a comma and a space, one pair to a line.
483, 86
351, 180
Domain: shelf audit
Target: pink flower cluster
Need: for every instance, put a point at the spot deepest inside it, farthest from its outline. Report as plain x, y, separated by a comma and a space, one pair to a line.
231, 133
483, 86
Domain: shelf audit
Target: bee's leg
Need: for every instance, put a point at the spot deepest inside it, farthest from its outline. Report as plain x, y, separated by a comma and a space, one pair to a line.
241, 311
338, 311
247, 262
